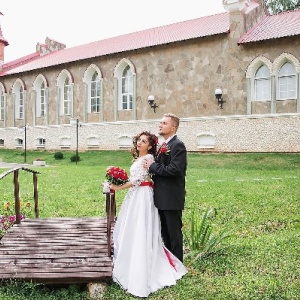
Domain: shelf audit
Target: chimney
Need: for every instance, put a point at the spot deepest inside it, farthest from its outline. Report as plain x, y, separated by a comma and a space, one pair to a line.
3, 43
243, 15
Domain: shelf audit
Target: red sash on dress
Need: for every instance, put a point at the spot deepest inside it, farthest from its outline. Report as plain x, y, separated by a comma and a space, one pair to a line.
147, 183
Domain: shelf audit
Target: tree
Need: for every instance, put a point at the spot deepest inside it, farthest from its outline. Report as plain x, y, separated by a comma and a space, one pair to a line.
277, 6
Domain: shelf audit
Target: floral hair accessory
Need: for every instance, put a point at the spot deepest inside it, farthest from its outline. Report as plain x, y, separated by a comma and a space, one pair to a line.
116, 175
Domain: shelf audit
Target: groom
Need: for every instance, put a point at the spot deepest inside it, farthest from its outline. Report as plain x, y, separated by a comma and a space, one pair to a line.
169, 170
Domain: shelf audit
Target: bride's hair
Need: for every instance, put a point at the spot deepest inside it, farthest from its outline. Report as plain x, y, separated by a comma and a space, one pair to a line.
153, 141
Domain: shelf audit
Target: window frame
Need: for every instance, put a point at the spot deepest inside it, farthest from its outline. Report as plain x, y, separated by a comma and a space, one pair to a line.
286, 79
262, 84
127, 89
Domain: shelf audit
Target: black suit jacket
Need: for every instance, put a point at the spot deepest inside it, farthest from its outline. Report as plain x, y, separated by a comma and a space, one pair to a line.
169, 172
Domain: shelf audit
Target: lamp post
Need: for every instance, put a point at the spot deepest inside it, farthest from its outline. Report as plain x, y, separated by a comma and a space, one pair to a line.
25, 145
75, 121
24, 129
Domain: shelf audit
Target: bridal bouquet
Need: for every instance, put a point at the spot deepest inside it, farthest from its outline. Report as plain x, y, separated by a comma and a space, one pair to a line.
116, 175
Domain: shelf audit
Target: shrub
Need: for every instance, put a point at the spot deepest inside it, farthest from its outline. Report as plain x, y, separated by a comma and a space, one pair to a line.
73, 158
58, 155
200, 239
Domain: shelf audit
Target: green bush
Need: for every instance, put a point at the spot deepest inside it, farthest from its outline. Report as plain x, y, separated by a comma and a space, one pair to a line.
58, 155
73, 158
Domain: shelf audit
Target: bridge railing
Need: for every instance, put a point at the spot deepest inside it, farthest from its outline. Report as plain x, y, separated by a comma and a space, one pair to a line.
111, 217
15, 172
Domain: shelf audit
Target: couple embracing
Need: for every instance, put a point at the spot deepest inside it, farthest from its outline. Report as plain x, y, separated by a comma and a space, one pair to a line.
148, 240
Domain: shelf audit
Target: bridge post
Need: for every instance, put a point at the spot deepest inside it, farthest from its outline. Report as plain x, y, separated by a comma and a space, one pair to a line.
17, 198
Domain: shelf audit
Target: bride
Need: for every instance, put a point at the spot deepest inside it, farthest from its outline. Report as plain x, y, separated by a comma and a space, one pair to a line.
141, 263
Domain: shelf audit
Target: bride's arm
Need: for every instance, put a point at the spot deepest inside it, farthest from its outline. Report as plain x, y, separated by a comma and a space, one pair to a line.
124, 186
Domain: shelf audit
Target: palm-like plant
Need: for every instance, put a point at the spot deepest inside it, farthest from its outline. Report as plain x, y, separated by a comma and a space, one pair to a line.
200, 238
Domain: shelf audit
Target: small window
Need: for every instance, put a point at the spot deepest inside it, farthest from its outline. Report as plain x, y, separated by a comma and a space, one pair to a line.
93, 141
19, 142
1, 142
41, 142
125, 141
206, 140
65, 142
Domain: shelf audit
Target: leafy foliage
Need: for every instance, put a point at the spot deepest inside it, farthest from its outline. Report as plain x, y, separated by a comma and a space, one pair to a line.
277, 6
58, 155
75, 158
201, 239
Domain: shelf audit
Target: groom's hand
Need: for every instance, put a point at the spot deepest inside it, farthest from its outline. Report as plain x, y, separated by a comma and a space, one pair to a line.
147, 163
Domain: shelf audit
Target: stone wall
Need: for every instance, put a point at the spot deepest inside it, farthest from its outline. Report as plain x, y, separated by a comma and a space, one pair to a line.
256, 133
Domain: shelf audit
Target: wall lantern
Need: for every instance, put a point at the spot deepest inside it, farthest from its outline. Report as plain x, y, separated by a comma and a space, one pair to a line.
152, 103
218, 94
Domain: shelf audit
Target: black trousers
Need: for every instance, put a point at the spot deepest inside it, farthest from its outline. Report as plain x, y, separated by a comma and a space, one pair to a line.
171, 231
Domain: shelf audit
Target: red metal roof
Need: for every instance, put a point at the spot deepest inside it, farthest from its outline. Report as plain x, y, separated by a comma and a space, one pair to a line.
274, 27
271, 27
191, 29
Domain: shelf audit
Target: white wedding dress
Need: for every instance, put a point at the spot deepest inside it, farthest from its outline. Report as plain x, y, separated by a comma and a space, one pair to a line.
142, 264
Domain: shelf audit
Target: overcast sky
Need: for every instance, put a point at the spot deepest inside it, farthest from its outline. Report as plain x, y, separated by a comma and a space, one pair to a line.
26, 22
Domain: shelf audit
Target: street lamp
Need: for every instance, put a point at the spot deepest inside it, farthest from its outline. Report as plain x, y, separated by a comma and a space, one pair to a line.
75, 121
24, 129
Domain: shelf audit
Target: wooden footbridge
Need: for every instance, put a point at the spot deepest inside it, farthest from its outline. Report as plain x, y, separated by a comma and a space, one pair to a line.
57, 250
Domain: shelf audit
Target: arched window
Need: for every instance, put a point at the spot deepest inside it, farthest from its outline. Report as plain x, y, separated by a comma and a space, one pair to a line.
262, 84
95, 94
20, 103
65, 86
287, 84
43, 100
67, 98
41, 90
127, 89
2, 105
19, 99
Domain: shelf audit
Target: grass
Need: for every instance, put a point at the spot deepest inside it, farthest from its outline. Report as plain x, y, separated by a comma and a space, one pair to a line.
255, 196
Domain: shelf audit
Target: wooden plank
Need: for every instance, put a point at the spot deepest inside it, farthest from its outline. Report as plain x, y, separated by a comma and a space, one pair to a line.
58, 250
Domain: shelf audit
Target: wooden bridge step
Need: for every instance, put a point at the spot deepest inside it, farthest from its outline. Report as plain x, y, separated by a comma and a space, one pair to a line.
56, 250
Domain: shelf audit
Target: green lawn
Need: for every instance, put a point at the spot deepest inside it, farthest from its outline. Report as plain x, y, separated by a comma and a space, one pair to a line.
256, 196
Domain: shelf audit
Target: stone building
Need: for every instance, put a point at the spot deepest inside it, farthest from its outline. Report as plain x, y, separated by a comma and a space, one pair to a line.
233, 78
